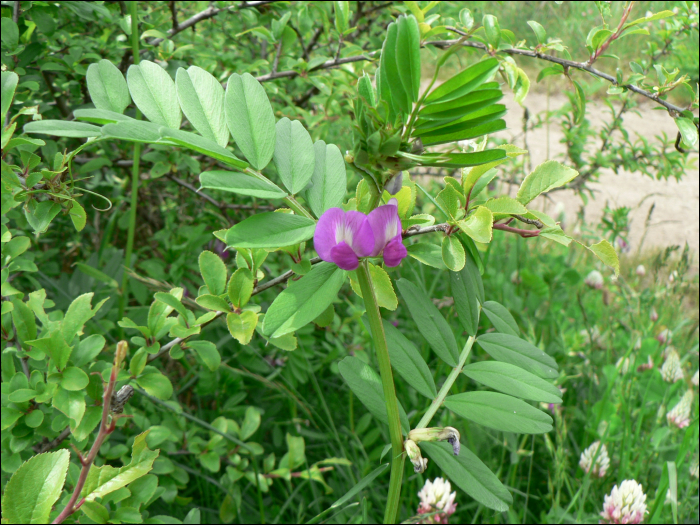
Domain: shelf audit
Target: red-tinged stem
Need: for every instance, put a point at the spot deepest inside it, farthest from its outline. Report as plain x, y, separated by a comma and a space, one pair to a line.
614, 36
521, 232
107, 426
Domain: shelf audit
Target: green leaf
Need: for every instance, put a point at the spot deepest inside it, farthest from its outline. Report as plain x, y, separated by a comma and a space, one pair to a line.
329, 180
465, 131
270, 230
463, 160
241, 326
77, 215
87, 350
63, 128
240, 183
55, 346
154, 93
200, 145
470, 474
430, 322
505, 205
35, 487
107, 479
207, 352
453, 253
294, 154
408, 55
454, 109
464, 82
251, 423
408, 362
688, 130
513, 380
96, 274
9, 85
213, 302
303, 300
133, 131
655, 16
606, 253
492, 30
202, 101
74, 379
40, 214
107, 87
173, 302
580, 103
250, 119
156, 384
466, 289
78, 313
383, 289
101, 116
516, 351
427, 253
367, 386
213, 272
556, 234
539, 31
10, 34
240, 287
390, 75
501, 318
23, 319
500, 412
479, 225
545, 177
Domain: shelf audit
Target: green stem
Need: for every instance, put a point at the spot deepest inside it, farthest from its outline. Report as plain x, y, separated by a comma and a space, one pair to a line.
289, 199
124, 298
392, 406
442, 394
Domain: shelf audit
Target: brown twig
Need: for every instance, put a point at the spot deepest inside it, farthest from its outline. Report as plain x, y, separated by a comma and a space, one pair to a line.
107, 426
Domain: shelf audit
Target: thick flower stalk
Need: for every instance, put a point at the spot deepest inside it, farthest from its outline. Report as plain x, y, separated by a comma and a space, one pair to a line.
602, 461
345, 237
435, 496
679, 415
625, 504
671, 370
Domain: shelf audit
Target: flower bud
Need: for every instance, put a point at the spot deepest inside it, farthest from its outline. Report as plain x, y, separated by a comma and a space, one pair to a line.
449, 434
641, 271
120, 354
419, 462
393, 185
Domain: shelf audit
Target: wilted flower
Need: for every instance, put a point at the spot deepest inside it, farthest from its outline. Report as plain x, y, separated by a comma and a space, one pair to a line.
449, 434
653, 315
671, 370
342, 237
646, 366
435, 496
594, 280
393, 186
641, 271
602, 462
413, 452
680, 414
625, 504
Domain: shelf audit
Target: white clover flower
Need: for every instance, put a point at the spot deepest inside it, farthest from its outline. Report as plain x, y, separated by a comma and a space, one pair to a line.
641, 271
436, 496
680, 414
625, 504
671, 370
602, 462
594, 280
695, 379
664, 336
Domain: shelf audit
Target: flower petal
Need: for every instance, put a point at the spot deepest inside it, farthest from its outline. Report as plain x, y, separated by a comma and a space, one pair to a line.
357, 232
394, 252
324, 236
385, 225
344, 256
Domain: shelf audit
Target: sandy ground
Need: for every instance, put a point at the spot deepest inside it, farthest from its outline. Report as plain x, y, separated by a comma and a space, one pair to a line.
675, 219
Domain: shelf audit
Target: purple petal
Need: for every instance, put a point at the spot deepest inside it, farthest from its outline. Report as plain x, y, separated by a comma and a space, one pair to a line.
324, 236
344, 256
385, 224
394, 252
456, 445
357, 233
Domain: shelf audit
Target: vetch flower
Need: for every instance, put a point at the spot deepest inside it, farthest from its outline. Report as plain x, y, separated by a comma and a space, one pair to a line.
625, 504
671, 370
413, 452
449, 434
602, 462
386, 228
680, 414
343, 237
435, 496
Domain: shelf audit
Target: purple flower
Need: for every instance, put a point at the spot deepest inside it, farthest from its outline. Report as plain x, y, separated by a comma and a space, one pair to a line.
343, 237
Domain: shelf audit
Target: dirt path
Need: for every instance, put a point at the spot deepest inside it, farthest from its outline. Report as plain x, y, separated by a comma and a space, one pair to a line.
675, 219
